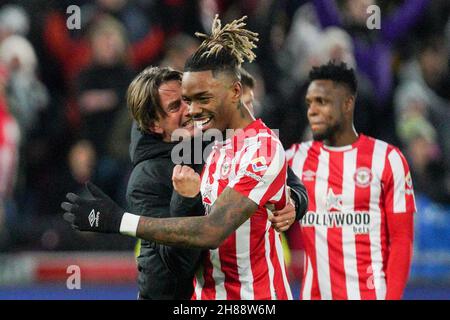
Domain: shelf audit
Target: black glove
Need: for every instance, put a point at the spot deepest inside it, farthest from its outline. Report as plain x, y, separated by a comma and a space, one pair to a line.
100, 214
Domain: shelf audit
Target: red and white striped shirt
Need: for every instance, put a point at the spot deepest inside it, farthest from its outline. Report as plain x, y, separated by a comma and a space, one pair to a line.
249, 264
353, 193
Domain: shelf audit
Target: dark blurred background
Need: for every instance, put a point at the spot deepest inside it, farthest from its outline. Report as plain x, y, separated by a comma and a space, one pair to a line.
64, 121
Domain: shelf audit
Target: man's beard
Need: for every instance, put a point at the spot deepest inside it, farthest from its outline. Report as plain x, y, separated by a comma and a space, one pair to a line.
328, 134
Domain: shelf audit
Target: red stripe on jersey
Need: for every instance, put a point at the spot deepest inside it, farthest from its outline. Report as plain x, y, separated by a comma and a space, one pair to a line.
209, 290
194, 294
260, 271
228, 263
334, 235
362, 241
311, 163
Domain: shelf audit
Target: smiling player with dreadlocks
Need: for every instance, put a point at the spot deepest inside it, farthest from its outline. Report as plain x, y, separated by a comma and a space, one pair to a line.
244, 175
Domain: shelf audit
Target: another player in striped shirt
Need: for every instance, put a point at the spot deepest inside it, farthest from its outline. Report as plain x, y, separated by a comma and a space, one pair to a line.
358, 230
243, 176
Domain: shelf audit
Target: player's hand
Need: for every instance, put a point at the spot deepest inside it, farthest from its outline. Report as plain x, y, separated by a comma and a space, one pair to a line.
186, 181
282, 219
100, 214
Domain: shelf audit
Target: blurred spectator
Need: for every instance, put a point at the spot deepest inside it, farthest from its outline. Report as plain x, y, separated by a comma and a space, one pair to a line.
135, 20
423, 117
26, 94
317, 46
177, 49
13, 21
373, 48
75, 53
101, 89
9, 140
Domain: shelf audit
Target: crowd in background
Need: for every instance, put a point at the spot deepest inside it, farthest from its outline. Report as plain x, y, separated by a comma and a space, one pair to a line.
64, 120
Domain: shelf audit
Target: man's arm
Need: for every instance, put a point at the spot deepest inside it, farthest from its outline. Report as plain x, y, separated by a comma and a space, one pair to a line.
230, 210
400, 208
102, 214
401, 229
298, 194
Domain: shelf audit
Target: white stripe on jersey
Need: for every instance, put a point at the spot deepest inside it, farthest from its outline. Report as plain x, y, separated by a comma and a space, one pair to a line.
243, 260
272, 172
323, 267
199, 283
398, 172
217, 274
306, 294
290, 153
280, 256
299, 158
348, 236
248, 156
378, 164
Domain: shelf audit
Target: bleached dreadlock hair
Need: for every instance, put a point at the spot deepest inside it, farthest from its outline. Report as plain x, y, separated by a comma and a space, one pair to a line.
225, 49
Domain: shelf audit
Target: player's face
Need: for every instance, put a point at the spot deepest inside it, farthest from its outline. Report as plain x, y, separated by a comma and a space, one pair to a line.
176, 111
209, 99
325, 102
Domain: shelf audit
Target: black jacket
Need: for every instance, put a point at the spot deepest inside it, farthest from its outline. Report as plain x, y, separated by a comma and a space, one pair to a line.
164, 272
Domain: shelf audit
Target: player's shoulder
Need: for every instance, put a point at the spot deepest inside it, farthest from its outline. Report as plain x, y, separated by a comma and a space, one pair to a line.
301, 147
259, 133
387, 149
261, 141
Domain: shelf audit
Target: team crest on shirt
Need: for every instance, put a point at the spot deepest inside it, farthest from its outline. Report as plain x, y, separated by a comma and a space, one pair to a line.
363, 177
259, 164
409, 185
225, 169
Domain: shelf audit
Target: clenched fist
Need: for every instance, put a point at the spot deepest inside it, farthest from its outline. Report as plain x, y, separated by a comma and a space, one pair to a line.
186, 181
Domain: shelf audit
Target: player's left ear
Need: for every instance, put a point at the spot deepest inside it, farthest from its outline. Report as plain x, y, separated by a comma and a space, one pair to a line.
349, 104
237, 91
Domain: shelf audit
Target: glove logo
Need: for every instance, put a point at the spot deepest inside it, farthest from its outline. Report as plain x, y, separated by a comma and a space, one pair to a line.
93, 218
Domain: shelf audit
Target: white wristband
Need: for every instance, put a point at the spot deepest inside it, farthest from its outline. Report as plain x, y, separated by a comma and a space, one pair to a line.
129, 224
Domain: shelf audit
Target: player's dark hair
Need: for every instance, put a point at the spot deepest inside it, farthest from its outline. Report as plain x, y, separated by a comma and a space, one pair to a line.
339, 73
143, 98
225, 49
247, 79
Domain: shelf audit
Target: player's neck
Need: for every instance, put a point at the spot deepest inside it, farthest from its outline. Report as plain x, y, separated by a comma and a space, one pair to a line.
343, 138
241, 118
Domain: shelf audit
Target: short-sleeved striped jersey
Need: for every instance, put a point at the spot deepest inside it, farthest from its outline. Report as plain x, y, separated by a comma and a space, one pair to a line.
352, 191
249, 264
